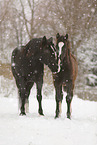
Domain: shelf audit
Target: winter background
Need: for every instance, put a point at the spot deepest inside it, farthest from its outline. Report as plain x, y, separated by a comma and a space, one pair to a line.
22, 20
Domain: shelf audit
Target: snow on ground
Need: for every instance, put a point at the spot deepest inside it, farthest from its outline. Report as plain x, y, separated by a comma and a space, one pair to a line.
33, 129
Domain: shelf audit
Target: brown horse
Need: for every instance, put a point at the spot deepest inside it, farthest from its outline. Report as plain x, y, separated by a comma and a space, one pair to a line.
66, 75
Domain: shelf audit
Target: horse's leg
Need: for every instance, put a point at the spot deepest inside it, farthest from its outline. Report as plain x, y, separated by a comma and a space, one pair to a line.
22, 95
39, 97
27, 105
22, 101
59, 97
69, 99
29, 85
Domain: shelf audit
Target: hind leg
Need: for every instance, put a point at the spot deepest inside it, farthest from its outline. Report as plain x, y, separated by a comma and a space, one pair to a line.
22, 101
28, 88
39, 97
21, 84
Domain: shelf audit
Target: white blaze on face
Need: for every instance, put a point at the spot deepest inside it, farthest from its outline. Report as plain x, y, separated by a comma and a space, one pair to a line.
60, 45
54, 51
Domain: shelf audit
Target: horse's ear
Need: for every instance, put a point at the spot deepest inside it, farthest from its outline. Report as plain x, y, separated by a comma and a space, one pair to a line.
66, 36
57, 36
50, 39
44, 40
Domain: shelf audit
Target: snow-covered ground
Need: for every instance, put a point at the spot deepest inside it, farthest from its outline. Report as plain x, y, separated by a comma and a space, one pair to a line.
33, 129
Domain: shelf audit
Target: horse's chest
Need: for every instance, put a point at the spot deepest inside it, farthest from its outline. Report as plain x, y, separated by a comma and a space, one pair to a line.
62, 78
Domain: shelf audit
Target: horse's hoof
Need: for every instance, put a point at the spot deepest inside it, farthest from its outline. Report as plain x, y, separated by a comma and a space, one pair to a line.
40, 112
57, 116
68, 116
22, 113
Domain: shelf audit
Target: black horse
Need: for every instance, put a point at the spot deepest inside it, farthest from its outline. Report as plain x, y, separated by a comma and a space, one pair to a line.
66, 75
28, 67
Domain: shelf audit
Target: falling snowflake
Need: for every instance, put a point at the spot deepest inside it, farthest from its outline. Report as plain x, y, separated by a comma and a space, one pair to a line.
13, 64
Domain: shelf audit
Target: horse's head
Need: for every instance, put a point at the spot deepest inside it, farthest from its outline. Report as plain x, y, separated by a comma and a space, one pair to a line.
48, 53
63, 49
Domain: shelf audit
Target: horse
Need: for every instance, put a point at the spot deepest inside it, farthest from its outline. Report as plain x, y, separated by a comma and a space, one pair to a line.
66, 75
64, 68
27, 64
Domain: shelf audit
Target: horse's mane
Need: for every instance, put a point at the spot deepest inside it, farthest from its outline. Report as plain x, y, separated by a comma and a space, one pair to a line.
31, 45
68, 45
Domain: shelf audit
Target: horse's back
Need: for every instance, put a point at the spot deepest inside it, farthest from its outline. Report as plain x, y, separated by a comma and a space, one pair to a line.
33, 44
24, 60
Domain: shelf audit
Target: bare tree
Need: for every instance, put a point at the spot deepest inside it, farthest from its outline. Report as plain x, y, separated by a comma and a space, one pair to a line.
29, 22
73, 17
4, 8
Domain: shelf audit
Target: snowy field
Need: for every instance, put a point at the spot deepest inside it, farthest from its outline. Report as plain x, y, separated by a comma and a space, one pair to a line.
33, 129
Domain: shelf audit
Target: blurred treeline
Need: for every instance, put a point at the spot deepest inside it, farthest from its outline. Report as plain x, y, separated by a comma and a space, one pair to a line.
22, 20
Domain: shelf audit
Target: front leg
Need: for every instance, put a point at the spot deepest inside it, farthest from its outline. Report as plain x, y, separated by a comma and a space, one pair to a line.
58, 109
59, 97
39, 97
69, 100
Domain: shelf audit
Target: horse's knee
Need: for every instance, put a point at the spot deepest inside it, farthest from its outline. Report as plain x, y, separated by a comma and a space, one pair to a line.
39, 98
69, 96
59, 97
69, 110
68, 99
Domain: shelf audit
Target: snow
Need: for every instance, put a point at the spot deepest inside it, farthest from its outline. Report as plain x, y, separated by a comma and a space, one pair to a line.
33, 129
92, 79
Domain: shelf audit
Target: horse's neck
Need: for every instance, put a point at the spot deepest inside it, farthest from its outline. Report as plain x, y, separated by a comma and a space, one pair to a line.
53, 67
68, 56
67, 60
